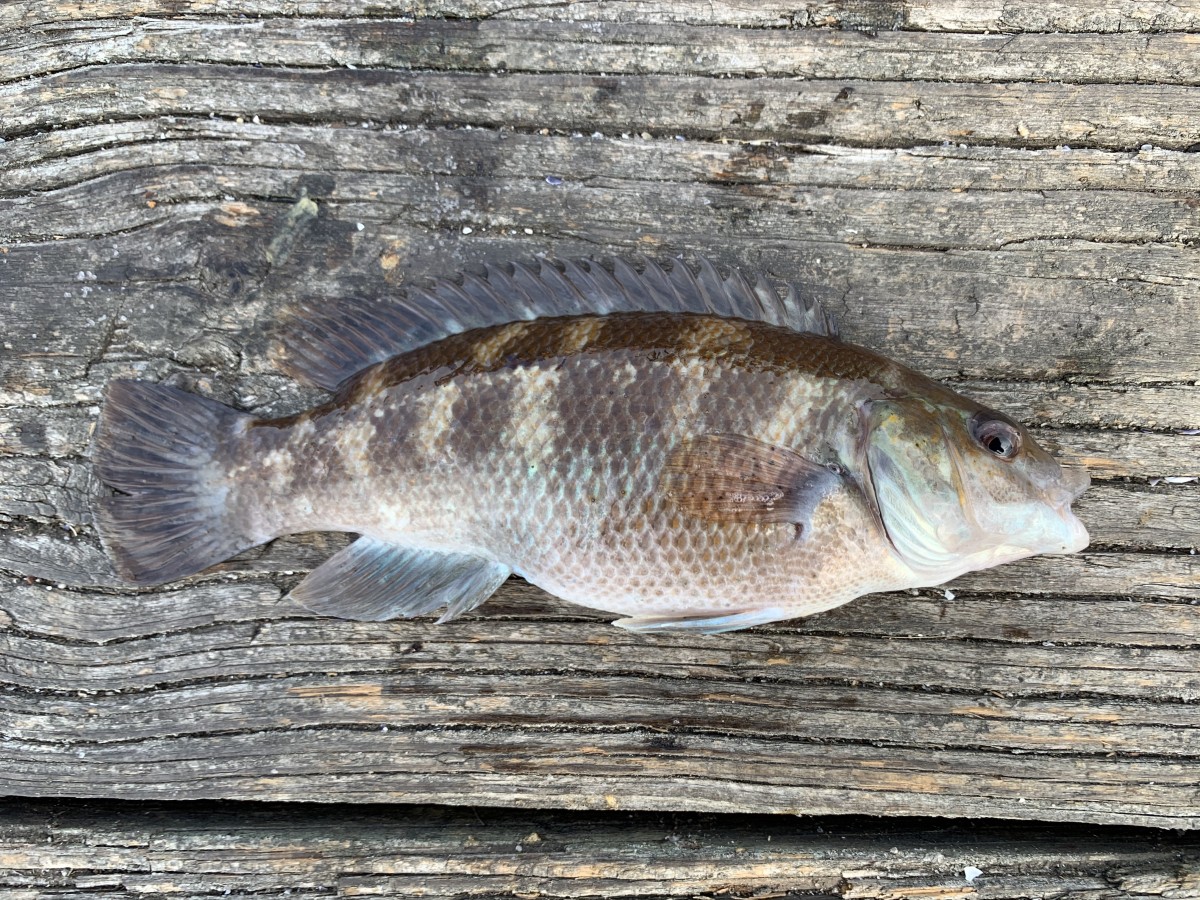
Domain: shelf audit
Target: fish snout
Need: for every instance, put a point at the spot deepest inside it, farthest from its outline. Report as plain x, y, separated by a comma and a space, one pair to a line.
1075, 480
1070, 535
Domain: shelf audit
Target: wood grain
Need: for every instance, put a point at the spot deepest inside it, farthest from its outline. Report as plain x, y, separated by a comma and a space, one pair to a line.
868, 113
1013, 213
118, 850
960, 16
609, 47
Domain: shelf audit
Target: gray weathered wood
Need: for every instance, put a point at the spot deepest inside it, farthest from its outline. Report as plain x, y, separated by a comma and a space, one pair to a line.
853, 111
117, 850
620, 47
1015, 214
961, 16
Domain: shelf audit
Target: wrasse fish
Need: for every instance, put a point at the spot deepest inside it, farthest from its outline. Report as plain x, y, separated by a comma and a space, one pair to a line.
684, 448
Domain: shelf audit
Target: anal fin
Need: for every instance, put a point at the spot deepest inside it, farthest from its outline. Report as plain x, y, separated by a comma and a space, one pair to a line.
373, 581
703, 624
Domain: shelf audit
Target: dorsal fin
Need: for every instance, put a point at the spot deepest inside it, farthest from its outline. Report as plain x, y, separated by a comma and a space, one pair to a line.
324, 342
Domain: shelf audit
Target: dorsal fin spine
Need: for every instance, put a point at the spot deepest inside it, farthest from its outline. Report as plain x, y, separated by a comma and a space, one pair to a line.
567, 292
655, 275
575, 271
521, 280
720, 300
446, 312
477, 290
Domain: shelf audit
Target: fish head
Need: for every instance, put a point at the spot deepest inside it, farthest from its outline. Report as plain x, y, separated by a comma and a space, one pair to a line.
961, 487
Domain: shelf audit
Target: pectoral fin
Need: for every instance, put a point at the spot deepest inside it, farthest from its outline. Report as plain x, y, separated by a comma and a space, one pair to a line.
733, 478
703, 624
373, 581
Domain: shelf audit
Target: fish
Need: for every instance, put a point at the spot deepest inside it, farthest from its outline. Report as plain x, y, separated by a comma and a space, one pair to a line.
684, 447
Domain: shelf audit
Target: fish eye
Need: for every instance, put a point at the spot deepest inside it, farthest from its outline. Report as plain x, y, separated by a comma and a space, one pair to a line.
998, 437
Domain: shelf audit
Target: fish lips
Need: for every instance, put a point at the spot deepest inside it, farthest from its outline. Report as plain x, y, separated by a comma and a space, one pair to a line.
1075, 480
1056, 529
1068, 532
1076, 537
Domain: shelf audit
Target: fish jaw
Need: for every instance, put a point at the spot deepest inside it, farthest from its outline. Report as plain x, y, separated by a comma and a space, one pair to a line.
1077, 539
1063, 532
1044, 530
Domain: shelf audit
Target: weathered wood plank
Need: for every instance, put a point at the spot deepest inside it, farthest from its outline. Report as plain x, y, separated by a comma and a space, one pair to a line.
585, 703
847, 111
268, 850
59, 158
631, 767
929, 220
612, 48
1072, 16
149, 228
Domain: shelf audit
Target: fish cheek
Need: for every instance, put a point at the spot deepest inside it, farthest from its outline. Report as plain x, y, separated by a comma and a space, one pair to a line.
917, 486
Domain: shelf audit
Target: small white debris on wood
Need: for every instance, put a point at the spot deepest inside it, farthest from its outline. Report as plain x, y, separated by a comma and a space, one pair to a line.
971, 873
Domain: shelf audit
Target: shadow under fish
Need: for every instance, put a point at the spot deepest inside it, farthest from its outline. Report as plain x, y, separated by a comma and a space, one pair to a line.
686, 448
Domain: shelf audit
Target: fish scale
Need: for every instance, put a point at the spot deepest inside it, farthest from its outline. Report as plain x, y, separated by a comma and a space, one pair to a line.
672, 466
562, 468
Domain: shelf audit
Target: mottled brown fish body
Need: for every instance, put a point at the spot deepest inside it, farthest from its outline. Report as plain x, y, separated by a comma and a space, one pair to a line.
543, 444
691, 449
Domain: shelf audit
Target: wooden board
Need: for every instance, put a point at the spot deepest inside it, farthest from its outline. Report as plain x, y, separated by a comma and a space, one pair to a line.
242, 850
1013, 213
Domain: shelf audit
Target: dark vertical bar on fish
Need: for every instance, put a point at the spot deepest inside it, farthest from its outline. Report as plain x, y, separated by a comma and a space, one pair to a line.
605, 434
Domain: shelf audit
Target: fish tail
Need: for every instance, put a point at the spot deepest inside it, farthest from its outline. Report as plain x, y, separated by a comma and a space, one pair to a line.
165, 453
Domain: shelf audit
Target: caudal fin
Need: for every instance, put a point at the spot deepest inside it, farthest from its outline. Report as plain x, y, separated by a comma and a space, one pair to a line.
163, 452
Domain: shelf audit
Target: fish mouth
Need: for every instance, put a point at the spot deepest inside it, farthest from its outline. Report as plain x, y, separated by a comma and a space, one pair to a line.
1074, 535
1077, 537
1071, 534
